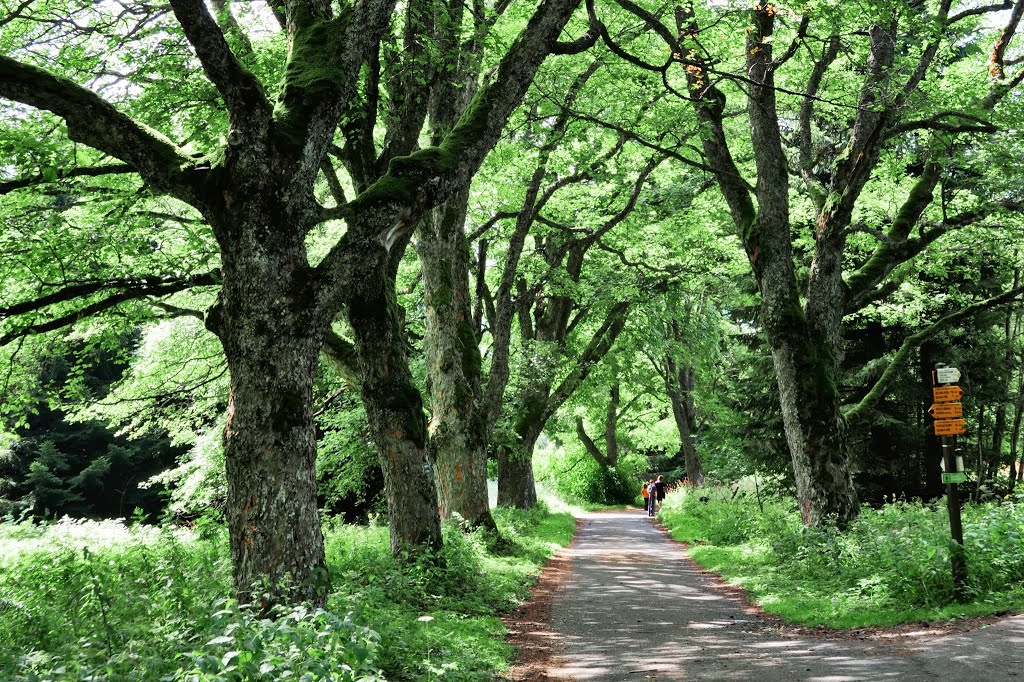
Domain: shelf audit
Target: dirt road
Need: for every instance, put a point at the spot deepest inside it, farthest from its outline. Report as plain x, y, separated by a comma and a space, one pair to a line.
632, 606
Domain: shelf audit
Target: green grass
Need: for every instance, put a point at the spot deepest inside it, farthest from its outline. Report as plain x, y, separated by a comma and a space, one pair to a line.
891, 566
98, 601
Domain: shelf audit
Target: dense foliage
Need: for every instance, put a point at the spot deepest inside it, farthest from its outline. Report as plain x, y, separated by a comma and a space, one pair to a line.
89, 600
890, 566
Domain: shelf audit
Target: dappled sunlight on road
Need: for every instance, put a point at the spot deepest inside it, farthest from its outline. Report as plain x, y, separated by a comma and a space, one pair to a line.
634, 608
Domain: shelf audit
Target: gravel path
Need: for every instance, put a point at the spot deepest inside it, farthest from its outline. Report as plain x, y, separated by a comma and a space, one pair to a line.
633, 607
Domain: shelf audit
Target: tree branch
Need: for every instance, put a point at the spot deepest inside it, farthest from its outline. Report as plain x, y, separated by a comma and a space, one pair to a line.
142, 286
996, 65
589, 443
93, 121
390, 208
585, 41
912, 342
84, 172
600, 343
801, 33
814, 185
935, 122
984, 9
112, 301
242, 92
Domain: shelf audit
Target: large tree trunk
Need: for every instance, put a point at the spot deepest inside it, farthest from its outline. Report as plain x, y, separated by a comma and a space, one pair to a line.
804, 345
678, 385
394, 408
815, 428
271, 336
516, 486
458, 429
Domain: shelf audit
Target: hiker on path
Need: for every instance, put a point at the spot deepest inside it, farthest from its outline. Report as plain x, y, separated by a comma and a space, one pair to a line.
659, 489
646, 495
652, 495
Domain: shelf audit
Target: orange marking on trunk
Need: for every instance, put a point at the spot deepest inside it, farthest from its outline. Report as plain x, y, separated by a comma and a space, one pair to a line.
458, 473
392, 454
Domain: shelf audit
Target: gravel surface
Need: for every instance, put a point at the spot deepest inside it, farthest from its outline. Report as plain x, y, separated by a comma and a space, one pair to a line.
632, 606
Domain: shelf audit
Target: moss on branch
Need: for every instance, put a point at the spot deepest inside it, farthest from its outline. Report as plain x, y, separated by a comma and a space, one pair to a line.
312, 74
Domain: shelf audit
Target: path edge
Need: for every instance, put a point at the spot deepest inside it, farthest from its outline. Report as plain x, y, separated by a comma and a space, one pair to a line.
528, 626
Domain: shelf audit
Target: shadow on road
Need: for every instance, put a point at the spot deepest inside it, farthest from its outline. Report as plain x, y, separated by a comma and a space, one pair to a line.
633, 607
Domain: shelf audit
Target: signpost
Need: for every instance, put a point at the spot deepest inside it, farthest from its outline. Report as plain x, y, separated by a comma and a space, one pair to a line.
948, 425
946, 410
947, 394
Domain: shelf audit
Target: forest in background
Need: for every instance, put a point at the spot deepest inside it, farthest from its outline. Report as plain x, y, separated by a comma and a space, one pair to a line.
270, 264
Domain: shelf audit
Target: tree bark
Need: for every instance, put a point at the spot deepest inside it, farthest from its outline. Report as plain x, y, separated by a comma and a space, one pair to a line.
804, 346
516, 485
394, 408
270, 441
678, 385
457, 429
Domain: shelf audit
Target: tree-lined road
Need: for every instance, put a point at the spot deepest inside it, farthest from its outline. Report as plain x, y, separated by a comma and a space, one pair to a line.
634, 607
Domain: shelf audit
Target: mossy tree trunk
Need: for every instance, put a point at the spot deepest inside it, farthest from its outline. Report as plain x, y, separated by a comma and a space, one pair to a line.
516, 485
271, 334
458, 426
802, 344
458, 430
393, 405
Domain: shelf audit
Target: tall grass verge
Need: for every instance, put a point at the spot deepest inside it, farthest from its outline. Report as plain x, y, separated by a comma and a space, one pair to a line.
106, 602
890, 566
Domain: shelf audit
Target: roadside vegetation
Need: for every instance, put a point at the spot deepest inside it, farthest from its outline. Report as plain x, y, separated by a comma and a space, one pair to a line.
890, 566
102, 601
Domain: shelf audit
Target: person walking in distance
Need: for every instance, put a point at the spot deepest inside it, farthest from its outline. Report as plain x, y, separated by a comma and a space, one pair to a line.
646, 495
659, 490
652, 494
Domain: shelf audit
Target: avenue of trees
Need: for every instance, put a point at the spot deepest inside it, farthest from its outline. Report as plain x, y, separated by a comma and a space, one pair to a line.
291, 256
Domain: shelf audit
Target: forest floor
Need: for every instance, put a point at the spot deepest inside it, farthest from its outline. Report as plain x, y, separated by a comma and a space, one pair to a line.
625, 602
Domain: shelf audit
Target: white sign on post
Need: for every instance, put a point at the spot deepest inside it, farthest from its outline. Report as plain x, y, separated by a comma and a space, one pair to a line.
947, 375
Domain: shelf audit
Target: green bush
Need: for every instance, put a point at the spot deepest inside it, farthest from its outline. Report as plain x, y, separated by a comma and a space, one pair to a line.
99, 601
297, 643
891, 564
577, 477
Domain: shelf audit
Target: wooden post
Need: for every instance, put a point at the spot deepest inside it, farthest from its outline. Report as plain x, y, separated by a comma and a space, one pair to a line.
957, 555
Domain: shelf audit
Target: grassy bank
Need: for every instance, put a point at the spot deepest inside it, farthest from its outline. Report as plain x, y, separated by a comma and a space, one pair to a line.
891, 566
98, 601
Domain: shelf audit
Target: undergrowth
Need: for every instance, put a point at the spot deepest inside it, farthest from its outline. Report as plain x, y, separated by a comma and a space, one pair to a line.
891, 565
151, 604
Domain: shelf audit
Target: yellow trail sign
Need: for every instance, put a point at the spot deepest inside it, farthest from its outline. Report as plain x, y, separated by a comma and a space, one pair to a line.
947, 394
950, 427
946, 410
